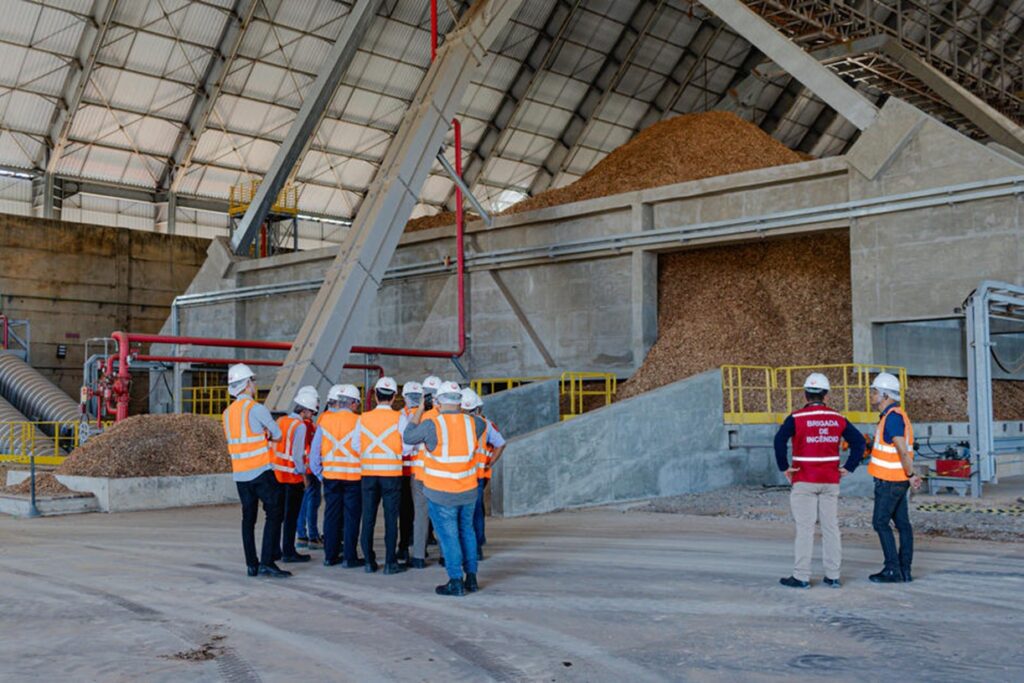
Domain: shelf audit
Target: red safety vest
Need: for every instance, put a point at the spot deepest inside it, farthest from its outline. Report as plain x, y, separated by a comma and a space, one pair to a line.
819, 430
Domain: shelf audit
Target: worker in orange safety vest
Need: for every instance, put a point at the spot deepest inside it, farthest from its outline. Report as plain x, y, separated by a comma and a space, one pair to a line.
288, 458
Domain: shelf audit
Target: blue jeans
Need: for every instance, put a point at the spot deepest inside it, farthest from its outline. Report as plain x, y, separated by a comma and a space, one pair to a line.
310, 511
891, 506
453, 525
478, 513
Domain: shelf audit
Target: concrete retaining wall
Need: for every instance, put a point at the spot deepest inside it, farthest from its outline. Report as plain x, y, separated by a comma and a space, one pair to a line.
149, 493
665, 442
21, 506
524, 409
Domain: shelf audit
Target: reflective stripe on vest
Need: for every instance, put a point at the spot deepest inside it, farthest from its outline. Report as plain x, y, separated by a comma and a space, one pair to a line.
452, 466
484, 452
249, 451
885, 461
281, 459
338, 459
817, 433
380, 444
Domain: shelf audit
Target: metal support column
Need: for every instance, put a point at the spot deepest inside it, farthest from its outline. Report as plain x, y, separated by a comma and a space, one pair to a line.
342, 307
314, 104
819, 79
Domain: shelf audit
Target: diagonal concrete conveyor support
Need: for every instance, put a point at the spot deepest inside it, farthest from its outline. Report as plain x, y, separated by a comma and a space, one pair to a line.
314, 104
817, 78
342, 307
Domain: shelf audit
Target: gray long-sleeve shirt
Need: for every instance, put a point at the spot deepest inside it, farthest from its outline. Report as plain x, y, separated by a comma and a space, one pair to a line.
260, 421
425, 433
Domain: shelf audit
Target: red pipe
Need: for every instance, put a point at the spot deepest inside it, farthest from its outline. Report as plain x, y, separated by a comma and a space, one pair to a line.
4, 322
231, 361
433, 30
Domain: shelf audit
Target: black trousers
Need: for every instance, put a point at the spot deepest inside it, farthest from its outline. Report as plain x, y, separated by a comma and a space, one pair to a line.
343, 505
406, 515
375, 490
263, 488
291, 504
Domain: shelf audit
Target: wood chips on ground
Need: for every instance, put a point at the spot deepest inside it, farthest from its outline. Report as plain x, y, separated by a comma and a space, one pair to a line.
46, 485
153, 446
777, 303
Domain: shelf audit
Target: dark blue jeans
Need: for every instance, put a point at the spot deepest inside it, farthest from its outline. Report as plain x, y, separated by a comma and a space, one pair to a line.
343, 507
453, 525
891, 507
478, 513
310, 511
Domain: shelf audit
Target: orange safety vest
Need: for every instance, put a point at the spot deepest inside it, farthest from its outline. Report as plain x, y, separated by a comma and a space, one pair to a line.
281, 456
885, 459
339, 459
484, 453
452, 466
421, 450
380, 443
249, 450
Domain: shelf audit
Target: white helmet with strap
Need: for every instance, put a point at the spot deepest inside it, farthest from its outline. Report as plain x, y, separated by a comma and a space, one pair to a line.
308, 398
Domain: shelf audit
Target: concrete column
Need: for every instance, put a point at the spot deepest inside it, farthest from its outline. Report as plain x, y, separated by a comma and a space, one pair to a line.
644, 290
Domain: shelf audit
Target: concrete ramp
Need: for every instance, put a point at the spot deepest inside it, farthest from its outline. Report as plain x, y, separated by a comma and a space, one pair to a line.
666, 442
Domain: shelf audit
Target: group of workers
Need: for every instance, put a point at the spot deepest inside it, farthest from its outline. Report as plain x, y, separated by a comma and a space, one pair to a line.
818, 432
427, 464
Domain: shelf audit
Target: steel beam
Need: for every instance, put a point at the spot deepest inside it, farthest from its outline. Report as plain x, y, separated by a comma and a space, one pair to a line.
540, 55
342, 306
314, 105
817, 78
89, 46
207, 93
607, 76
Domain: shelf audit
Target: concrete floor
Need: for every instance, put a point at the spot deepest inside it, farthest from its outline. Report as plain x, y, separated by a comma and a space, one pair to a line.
583, 596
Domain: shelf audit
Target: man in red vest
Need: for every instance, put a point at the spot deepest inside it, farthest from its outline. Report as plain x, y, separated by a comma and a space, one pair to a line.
816, 431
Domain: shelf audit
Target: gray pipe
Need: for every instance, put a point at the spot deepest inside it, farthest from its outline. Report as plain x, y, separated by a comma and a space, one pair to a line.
33, 395
11, 442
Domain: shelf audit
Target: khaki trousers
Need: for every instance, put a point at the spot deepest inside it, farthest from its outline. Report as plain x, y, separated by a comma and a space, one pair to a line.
816, 503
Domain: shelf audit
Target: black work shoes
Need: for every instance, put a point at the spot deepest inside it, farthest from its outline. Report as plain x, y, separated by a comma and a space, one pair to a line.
294, 559
252, 570
273, 571
393, 568
416, 563
832, 583
886, 576
471, 585
370, 567
453, 587
354, 564
792, 582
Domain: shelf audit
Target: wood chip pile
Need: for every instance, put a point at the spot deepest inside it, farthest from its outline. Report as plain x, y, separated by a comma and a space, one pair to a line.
436, 221
46, 485
778, 303
688, 147
153, 446
944, 399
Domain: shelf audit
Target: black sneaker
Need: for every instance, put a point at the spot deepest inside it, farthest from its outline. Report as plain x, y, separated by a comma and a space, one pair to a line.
354, 564
832, 583
273, 571
471, 585
293, 559
332, 561
370, 567
792, 582
393, 568
453, 587
252, 570
416, 563
907, 576
886, 576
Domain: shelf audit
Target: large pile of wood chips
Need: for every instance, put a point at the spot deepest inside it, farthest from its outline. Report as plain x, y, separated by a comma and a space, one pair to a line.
687, 147
944, 399
776, 303
153, 446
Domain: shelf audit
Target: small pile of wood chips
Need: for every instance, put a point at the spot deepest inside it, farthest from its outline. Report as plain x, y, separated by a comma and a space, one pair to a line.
46, 485
437, 220
153, 446
777, 303
687, 147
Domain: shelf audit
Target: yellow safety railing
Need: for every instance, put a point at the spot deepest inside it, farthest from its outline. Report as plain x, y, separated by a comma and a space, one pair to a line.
574, 387
492, 385
212, 401
20, 440
241, 196
766, 395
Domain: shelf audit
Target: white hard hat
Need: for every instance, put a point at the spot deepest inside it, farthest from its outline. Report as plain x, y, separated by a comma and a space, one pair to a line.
886, 382
449, 393
817, 383
386, 384
340, 391
412, 388
431, 384
239, 373
470, 400
307, 397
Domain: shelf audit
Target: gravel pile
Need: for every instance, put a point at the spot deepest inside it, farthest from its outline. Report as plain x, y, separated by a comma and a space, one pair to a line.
772, 504
153, 446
